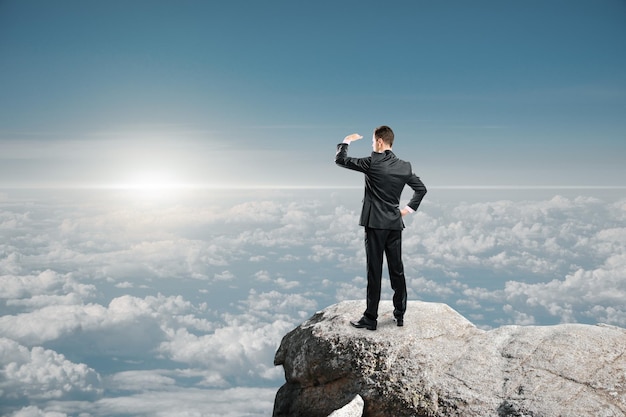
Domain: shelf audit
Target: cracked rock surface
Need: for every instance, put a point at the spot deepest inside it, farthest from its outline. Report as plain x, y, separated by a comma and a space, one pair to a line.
440, 364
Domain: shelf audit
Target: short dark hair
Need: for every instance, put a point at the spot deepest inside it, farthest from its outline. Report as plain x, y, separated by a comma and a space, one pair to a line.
385, 133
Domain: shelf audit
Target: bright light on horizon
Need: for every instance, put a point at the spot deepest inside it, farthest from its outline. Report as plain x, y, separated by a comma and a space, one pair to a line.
174, 185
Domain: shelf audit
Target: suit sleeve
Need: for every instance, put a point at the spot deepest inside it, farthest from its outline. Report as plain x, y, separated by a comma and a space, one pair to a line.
419, 191
343, 160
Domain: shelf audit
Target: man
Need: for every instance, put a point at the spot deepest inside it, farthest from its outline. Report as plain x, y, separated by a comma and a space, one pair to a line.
385, 178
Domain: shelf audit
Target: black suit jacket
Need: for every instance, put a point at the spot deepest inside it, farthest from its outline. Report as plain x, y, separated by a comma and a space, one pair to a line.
385, 178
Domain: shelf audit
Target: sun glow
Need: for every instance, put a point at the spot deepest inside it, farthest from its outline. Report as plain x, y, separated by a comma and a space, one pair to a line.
153, 185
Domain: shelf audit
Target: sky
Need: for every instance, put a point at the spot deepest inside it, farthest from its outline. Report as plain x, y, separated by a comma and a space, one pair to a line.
170, 209
246, 93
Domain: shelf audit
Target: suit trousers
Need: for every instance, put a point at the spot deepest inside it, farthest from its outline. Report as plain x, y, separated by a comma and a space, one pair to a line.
377, 243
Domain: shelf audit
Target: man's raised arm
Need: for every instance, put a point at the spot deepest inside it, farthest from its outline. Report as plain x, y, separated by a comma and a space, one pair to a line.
343, 160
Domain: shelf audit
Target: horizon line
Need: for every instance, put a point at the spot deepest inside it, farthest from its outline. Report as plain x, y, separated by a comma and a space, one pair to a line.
185, 186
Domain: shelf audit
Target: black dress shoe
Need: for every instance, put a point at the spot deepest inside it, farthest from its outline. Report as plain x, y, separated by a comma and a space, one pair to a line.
400, 321
364, 323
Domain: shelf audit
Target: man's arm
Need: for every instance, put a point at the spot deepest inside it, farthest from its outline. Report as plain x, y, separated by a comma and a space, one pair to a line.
343, 160
419, 191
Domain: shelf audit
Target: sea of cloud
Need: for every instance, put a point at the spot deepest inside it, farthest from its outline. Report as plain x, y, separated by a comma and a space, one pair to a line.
112, 305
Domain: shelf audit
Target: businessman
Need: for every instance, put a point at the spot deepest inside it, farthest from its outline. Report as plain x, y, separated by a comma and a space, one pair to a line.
385, 178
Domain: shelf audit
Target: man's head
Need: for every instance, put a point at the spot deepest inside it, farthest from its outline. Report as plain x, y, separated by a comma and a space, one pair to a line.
382, 138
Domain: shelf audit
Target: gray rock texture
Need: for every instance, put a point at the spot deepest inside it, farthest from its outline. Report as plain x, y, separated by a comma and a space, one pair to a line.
440, 364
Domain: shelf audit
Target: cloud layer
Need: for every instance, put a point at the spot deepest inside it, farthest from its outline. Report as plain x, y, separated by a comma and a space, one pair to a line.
151, 307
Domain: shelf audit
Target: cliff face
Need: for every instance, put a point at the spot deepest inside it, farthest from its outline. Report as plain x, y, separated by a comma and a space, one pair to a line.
440, 364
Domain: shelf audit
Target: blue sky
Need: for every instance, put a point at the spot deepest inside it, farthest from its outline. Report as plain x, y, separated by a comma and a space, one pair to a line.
247, 93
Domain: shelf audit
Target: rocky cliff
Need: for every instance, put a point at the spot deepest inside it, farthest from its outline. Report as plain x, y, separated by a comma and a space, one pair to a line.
440, 364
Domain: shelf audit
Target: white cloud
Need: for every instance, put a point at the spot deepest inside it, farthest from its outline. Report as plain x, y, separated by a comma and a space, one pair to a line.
225, 276
128, 324
151, 380
245, 345
256, 212
45, 283
546, 243
34, 411
51, 322
323, 253
420, 286
239, 352
177, 402
286, 284
273, 304
583, 293
40, 301
279, 281
40, 373
263, 276
529, 236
